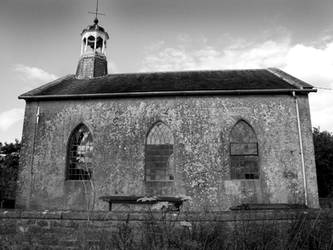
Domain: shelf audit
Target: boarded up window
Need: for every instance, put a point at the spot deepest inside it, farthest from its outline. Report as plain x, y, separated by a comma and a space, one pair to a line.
79, 156
159, 154
244, 152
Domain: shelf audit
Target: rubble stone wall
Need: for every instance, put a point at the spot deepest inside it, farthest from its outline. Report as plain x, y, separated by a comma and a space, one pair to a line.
201, 128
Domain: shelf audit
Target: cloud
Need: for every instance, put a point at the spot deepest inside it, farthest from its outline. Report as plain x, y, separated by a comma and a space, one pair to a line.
33, 75
184, 58
309, 63
321, 104
313, 64
112, 67
10, 117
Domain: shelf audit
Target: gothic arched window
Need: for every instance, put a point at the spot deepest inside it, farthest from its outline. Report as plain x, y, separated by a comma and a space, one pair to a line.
243, 152
159, 154
79, 155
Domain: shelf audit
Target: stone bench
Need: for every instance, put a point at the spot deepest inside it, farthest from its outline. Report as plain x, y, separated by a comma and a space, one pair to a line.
141, 200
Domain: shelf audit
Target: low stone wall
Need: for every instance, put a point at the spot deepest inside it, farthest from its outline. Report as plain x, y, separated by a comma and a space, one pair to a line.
96, 230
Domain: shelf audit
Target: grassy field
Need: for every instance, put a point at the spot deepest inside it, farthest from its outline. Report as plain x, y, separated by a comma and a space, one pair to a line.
302, 233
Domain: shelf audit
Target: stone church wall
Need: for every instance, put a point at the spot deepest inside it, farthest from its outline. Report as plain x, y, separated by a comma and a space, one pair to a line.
201, 128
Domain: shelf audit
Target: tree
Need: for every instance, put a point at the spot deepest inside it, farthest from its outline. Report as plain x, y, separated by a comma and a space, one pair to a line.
10, 148
9, 163
323, 144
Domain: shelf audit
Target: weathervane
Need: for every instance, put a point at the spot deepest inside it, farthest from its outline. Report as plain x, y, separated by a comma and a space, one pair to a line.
96, 13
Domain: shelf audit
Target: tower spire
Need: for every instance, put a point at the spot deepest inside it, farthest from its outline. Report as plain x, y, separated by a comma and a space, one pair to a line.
93, 61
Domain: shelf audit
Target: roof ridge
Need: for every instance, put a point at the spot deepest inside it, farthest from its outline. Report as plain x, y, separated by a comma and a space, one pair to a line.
182, 71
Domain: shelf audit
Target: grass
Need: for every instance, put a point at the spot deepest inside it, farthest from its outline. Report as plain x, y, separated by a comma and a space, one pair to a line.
155, 234
162, 231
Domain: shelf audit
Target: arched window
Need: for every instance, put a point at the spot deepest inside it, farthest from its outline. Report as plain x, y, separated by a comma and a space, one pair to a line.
91, 41
99, 43
159, 154
243, 152
79, 155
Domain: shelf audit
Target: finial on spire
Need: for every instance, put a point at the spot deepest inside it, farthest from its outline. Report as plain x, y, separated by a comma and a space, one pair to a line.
96, 13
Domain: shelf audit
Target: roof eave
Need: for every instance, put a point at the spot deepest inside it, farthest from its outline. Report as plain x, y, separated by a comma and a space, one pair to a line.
167, 93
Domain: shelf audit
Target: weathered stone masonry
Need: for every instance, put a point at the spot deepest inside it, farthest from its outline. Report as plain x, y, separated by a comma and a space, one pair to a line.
201, 127
80, 230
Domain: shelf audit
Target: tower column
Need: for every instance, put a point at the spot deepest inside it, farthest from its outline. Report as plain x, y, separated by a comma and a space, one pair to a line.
103, 47
82, 43
95, 44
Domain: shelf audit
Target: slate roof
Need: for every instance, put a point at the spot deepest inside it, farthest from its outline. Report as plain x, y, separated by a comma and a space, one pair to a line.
172, 83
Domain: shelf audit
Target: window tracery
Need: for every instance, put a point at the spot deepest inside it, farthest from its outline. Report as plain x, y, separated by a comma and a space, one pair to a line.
79, 156
159, 156
244, 152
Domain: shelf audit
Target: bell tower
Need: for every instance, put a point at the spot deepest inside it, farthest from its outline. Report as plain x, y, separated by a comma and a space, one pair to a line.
93, 62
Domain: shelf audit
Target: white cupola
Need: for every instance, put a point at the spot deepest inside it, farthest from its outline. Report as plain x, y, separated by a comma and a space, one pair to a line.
93, 62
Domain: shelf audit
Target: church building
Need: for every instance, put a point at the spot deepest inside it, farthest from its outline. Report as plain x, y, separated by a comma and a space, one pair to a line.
224, 138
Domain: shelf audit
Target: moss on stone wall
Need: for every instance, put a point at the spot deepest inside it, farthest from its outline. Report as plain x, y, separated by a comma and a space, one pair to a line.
201, 128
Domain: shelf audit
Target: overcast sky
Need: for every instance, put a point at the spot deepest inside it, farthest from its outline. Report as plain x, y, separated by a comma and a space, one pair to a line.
40, 41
